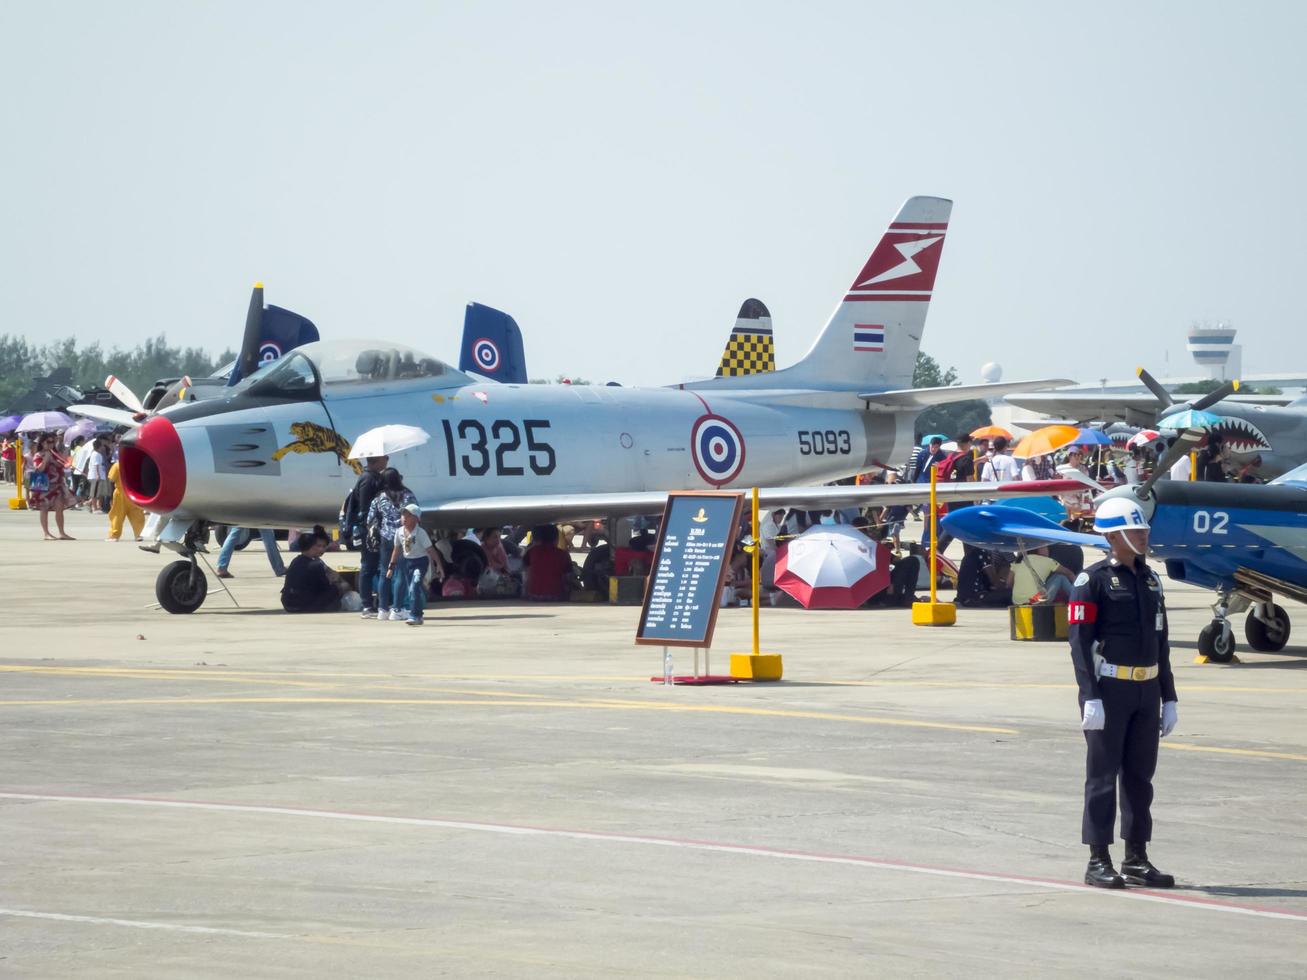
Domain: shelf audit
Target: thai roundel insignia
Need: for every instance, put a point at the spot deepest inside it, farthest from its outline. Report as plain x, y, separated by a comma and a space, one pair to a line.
486, 355
717, 448
269, 351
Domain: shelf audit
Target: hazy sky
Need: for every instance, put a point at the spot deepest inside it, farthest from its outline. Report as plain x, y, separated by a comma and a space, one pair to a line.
619, 178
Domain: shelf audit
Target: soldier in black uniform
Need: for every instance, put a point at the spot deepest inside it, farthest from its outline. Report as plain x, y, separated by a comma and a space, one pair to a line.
1121, 654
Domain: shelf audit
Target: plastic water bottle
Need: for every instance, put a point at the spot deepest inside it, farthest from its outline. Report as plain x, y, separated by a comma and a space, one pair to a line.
667, 667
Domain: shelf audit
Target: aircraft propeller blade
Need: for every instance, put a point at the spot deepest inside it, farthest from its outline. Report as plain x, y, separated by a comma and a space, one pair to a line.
247, 362
176, 392
1186, 442
1211, 398
124, 394
1155, 386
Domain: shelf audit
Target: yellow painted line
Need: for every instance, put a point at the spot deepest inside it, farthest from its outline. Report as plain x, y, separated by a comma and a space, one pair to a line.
203, 672
496, 702
1250, 753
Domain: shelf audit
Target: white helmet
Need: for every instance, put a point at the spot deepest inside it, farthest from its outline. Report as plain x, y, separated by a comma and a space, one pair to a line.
1119, 514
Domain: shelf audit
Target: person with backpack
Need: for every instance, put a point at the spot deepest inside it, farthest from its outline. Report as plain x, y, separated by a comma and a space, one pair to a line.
357, 505
958, 466
385, 517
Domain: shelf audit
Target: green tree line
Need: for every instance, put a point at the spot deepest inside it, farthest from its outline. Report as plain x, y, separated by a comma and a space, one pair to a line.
90, 364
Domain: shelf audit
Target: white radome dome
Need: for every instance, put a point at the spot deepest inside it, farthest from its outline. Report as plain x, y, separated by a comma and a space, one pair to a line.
991, 373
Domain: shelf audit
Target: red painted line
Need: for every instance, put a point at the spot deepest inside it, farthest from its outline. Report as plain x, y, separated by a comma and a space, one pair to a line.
702, 402
918, 224
724, 847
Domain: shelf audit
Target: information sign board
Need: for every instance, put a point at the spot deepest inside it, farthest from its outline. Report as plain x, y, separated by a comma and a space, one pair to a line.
690, 564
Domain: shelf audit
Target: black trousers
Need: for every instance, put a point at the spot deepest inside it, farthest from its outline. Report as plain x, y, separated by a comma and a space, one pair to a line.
1125, 749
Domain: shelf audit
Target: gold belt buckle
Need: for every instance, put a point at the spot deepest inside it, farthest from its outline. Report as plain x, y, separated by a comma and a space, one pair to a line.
1139, 674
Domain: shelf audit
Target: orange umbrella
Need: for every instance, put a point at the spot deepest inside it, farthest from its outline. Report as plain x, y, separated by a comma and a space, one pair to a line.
1043, 441
991, 432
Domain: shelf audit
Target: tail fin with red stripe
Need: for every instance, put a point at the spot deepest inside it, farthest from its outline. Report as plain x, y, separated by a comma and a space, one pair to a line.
871, 340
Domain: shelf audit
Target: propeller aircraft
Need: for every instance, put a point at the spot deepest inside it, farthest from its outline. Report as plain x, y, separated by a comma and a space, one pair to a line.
274, 451
1246, 542
1257, 429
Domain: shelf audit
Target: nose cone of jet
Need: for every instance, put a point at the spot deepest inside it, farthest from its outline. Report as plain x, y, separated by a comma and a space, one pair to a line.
153, 466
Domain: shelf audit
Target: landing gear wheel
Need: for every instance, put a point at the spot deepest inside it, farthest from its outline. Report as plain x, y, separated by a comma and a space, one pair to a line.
181, 587
1269, 635
1216, 642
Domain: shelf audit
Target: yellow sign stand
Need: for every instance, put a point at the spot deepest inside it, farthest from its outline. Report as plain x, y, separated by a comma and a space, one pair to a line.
934, 612
18, 501
756, 666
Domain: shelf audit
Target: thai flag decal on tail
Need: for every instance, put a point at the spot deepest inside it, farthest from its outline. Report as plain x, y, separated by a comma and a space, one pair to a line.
869, 337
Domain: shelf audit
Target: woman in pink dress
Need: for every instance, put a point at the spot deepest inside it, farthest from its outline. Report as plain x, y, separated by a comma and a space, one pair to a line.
48, 489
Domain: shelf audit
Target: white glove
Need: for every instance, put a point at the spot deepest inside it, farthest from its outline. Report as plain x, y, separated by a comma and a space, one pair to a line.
1169, 718
1094, 716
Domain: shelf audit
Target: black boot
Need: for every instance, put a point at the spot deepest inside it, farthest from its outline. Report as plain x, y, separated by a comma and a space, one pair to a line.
1100, 872
1138, 870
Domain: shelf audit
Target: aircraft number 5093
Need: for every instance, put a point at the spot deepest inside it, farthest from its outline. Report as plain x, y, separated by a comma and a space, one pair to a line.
498, 446
1211, 523
827, 442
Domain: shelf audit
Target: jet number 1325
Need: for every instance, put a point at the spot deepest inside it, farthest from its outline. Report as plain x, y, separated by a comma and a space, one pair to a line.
498, 443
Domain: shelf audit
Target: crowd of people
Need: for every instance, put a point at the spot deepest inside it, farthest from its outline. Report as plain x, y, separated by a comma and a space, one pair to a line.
81, 474
403, 565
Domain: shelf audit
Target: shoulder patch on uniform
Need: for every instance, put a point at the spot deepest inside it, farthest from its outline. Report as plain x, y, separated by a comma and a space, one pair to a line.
1081, 579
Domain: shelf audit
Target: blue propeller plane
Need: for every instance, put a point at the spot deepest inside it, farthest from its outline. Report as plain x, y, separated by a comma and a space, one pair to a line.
1246, 542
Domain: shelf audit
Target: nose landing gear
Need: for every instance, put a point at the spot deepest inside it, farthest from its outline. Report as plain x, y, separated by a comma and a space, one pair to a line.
1216, 640
181, 586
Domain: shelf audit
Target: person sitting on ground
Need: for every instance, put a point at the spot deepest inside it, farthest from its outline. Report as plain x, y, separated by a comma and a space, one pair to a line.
1056, 578
311, 585
904, 569
982, 579
635, 558
548, 567
407, 569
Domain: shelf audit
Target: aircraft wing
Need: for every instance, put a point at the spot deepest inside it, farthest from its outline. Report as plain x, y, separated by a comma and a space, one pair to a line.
103, 413
925, 397
1135, 408
996, 526
563, 508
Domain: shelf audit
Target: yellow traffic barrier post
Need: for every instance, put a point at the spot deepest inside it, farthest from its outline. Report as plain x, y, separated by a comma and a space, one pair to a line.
756, 666
1193, 466
934, 612
18, 501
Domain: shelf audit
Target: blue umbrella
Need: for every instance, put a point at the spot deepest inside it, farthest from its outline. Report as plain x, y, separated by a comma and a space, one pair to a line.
1189, 418
925, 440
1092, 437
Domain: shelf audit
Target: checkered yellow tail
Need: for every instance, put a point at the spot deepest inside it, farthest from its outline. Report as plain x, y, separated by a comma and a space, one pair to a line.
750, 349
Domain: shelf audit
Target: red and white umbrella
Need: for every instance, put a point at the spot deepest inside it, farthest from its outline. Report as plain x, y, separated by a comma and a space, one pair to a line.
1142, 438
831, 566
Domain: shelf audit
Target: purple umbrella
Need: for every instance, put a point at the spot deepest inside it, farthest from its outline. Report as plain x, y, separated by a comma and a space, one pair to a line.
9, 423
82, 428
44, 422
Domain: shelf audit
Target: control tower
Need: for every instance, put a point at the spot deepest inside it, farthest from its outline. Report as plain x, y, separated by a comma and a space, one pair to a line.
1215, 351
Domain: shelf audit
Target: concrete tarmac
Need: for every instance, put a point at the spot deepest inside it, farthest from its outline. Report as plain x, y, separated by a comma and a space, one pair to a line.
504, 793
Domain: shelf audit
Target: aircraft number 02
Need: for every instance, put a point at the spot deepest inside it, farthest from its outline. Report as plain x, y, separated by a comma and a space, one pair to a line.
496, 446
1214, 522
825, 442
